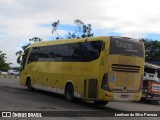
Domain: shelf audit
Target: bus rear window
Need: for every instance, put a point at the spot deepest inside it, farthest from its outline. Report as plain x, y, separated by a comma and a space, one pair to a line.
149, 70
125, 46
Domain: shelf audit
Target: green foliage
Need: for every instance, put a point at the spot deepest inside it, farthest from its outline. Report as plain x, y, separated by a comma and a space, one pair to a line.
3, 65
84, 30
55, 26
2, 57
34, 39
20, 52
152, 49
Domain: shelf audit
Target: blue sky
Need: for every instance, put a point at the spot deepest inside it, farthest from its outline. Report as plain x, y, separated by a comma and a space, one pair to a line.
153, 36
21, 20
96, 32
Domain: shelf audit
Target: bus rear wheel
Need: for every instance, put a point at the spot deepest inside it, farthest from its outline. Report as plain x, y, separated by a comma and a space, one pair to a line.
69, 93
29, 86
100, 102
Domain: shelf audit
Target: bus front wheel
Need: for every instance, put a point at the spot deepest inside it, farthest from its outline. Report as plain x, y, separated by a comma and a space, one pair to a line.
69, 93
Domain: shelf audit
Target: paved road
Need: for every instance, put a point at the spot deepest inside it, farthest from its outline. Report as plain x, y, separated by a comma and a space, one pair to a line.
14, 97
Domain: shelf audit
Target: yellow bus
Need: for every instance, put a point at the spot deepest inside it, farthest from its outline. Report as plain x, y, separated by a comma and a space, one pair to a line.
98, 69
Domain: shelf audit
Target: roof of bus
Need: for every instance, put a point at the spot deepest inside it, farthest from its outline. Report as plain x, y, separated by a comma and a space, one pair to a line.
65, 41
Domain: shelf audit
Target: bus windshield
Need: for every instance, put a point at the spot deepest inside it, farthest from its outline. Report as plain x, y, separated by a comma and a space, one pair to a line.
126, 46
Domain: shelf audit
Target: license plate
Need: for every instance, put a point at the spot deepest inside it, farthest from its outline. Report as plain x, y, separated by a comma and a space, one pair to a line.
124, 96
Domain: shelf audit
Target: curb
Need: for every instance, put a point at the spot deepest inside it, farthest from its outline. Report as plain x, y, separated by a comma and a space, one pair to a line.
5, 76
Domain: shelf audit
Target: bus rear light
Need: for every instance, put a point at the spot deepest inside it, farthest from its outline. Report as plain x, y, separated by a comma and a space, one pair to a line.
105, 84
108, 95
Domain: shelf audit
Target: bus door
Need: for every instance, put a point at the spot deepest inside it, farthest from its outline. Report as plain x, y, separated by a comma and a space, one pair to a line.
32, 68
22, 60
29, 66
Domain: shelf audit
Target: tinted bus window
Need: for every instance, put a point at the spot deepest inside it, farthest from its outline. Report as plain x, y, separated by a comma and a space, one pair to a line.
149, 70
67, 56
42, 53
126, 47
77, 51
51, 52
59, 53
33, 55
92, 50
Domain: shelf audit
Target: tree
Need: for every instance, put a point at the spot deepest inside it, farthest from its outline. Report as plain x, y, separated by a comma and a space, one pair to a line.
152, 48
3, 65
34, 39
2, 57
83, 29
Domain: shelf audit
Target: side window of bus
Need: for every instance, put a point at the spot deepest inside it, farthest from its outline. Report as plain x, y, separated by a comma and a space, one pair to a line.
149, 70
41, 53
33, 55
59, 53
51, 52
77, 51
85, 52
81, 52
66, 54
92, 50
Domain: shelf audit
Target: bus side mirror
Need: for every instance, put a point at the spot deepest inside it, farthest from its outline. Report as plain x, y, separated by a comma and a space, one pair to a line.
19, 59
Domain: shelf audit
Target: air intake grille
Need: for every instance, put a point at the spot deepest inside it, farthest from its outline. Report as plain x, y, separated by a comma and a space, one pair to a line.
92, 88
125, 68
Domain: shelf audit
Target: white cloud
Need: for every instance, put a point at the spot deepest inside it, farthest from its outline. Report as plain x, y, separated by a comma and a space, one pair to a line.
20, 19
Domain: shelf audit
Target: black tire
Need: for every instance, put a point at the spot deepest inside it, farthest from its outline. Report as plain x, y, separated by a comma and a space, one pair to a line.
143, 100
100, 102
29, 86
69, 93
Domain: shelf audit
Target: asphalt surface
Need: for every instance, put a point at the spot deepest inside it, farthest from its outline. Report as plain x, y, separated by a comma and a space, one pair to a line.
14, 97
